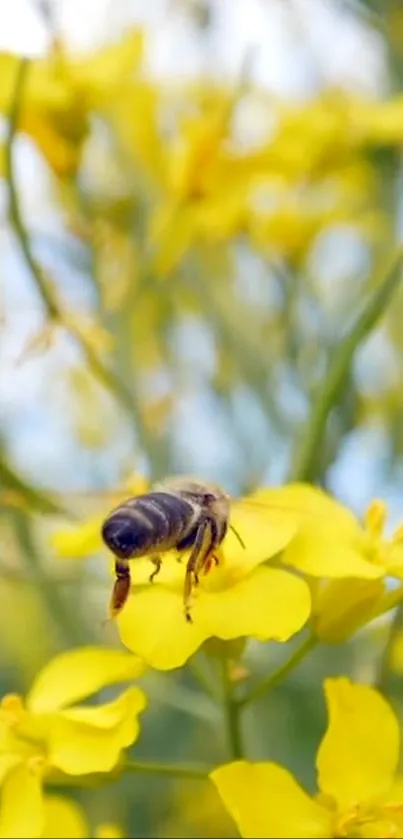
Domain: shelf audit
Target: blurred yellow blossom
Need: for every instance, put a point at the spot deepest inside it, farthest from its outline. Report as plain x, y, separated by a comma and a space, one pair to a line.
357, 760
65, 819
81, 540
50, 732
208, 181
61, 91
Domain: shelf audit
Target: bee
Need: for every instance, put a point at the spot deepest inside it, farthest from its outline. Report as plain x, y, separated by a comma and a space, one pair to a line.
180, 513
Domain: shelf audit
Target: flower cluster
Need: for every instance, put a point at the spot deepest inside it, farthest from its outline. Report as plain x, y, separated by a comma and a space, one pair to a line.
307, 561
360, 793
51, 737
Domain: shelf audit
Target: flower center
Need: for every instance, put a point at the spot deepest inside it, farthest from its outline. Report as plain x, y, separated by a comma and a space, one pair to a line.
378, 822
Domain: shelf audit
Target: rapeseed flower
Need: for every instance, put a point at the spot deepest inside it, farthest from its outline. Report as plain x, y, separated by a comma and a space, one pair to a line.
347, 562
61, 92
344, 561
242, 597
360, 793
50, 734
346, 547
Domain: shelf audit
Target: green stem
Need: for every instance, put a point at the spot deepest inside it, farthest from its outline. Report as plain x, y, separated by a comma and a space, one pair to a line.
171, 770
382, 680
279, 675
47, 294
49, 592
200, 674
231, 708
305, 467
11, 482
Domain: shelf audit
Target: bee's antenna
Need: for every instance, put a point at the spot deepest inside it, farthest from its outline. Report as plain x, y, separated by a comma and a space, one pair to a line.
240, 540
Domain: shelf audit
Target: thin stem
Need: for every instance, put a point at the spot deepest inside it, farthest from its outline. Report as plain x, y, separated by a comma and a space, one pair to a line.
199, 672
47, 294
279, 675
49, 592
395, 629
305, 467
172, 770
231, 708
14, 487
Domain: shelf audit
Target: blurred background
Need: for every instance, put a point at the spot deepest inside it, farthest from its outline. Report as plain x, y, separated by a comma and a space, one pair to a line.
195, 199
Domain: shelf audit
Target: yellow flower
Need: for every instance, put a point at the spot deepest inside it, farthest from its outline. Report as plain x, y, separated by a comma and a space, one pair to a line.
340, 607
61, 91
339, 548
356, 763
346, 562
239, 598
50, 733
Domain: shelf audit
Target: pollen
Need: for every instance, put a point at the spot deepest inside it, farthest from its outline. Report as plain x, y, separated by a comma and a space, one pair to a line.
36, 764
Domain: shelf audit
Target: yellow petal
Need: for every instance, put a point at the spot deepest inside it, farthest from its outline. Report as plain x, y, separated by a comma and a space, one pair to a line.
264, 530
78, 673
8, 761
21, 804
79, 541
90, 739
266, 801
358, 756
267, 603
322, 551
152, 624
97, 72
64, 819
342, 606
394, 559
298, 504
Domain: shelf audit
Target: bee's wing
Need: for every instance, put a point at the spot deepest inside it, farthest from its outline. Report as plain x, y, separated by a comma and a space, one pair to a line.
268, 519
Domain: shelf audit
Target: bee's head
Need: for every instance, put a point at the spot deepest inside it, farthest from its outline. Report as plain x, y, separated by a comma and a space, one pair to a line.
119, 534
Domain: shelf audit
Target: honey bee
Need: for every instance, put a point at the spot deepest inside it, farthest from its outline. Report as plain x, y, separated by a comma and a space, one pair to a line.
180, 513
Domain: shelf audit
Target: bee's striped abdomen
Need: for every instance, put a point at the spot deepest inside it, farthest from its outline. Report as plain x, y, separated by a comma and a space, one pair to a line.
141, 525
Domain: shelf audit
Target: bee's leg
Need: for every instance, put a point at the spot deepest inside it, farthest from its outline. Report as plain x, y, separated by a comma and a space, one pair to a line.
201, 548
121, 587
157, 561
209, 561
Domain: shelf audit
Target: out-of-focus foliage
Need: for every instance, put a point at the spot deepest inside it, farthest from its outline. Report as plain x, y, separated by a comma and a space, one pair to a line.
201, 273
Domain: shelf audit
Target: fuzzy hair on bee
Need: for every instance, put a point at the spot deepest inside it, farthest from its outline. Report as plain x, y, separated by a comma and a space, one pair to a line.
180, 513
